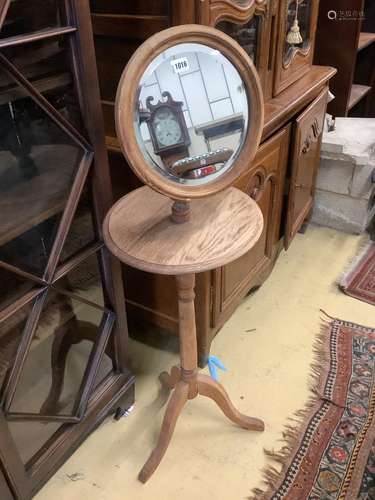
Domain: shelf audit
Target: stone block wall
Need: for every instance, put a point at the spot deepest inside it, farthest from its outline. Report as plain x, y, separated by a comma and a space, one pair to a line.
345, 195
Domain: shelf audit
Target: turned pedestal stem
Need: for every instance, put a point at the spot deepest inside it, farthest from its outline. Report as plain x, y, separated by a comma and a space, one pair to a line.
180, 212
187, 329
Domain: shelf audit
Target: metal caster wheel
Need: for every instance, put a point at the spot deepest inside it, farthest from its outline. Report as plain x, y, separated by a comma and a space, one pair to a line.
122, 412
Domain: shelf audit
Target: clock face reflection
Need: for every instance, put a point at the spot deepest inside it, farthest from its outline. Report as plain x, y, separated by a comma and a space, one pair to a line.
167, 128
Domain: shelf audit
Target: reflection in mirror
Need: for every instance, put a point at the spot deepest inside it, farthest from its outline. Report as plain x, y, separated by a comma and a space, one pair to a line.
38, 165
192, 115
53, 373
247, 35
297, 27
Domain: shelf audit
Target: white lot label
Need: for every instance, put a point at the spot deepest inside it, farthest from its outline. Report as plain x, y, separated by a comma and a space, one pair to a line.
180, 65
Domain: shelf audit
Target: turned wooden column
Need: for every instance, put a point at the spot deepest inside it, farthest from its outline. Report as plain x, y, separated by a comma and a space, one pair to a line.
186, 322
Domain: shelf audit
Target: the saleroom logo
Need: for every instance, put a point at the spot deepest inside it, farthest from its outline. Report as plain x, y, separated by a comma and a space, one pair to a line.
346, 15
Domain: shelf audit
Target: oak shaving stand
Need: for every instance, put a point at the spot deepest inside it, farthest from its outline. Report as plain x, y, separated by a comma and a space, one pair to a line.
141, 231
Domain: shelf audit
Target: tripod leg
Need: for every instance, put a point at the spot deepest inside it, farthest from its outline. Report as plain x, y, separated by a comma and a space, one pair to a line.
215, 391
177, 401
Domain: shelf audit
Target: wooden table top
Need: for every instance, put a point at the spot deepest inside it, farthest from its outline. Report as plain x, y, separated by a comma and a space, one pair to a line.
138, 230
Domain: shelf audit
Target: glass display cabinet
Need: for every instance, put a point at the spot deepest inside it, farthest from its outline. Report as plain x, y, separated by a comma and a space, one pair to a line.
63, 327
295, 48
297, 34
247, 35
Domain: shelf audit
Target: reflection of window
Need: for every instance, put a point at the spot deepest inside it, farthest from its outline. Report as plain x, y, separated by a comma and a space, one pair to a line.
299, 10
210, 89
246, 35
221, 128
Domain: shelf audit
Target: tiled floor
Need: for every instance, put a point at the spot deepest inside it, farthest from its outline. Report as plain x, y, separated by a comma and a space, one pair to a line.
209, 458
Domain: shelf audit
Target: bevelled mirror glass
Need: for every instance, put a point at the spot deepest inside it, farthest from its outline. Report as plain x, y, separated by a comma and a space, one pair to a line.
192, 113
189, 104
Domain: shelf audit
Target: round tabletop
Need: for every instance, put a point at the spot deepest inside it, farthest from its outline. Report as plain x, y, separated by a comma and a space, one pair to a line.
139, 231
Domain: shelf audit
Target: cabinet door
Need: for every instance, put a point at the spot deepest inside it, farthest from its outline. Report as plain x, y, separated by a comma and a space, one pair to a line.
265, 183
294, 58
305, 162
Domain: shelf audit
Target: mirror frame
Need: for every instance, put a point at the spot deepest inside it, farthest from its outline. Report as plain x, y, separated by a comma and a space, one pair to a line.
126, 104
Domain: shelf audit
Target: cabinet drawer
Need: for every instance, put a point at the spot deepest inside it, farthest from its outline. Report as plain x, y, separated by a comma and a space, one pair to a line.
305, 161
265, 183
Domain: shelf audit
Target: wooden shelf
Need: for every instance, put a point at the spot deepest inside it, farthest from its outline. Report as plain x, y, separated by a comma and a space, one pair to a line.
128, 26
43, 85
29, 203
365, 39
357, 93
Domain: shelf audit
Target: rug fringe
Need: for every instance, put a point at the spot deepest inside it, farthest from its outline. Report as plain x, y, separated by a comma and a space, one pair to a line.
292, 430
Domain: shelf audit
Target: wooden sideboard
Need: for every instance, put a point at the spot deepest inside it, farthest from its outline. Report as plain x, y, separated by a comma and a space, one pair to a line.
282, 176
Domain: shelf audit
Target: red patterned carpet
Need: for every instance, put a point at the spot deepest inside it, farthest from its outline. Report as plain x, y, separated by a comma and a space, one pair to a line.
359, 282
331, 454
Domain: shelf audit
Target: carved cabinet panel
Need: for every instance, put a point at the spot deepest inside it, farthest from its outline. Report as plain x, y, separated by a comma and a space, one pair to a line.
296, 40
264, 183
305, 162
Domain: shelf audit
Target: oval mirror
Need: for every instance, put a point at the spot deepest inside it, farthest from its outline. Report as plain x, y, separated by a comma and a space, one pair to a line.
189, 111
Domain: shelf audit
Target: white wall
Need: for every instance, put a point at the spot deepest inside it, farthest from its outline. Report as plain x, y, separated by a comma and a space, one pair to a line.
210, 88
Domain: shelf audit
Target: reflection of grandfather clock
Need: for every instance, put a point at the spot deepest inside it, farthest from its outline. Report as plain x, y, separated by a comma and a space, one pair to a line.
168, 130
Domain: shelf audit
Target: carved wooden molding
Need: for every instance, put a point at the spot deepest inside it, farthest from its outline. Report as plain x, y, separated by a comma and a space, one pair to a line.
213, 11
256, 184
255, 189
312, 136
295, 51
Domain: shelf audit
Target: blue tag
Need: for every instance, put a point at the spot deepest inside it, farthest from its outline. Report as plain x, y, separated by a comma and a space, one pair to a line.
214, 363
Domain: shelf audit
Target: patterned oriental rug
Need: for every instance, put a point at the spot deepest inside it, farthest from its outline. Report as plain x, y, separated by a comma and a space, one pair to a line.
359, 281
330, 446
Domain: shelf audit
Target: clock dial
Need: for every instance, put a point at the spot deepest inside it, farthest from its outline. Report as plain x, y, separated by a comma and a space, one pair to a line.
167, 128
